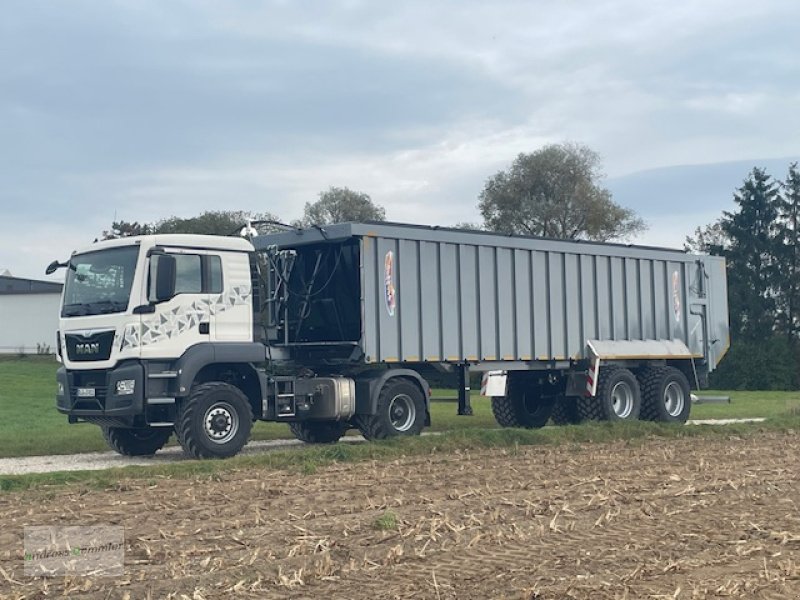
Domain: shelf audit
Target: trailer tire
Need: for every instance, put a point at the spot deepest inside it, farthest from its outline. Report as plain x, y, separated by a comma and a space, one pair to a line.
565, 411
319, 432
522, 406
143, 441
400, 410
618, 397
665, 395
214, 421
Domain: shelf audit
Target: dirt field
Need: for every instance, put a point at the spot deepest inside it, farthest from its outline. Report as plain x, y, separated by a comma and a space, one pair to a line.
692, 518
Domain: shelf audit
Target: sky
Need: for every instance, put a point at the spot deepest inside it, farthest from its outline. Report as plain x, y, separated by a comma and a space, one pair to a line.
143, 109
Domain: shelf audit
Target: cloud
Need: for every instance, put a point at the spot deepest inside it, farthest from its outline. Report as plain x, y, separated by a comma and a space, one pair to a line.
147, 109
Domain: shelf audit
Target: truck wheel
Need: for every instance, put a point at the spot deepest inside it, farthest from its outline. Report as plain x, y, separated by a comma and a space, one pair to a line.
522, 406
401, 411
214, 421
319, 432
665, 395
143, 441
565, 411
618, 397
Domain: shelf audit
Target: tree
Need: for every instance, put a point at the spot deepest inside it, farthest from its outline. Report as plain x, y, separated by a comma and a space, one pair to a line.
340, 205
467, 226
555, 192
761, 241
788, 253
125, 229
217, 222
753, 257
710, 239
223, 222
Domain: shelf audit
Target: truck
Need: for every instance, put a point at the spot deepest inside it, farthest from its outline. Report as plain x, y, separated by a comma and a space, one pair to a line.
337, 327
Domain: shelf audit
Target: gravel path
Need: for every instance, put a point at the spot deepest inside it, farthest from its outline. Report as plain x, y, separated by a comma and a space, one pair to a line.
93, 461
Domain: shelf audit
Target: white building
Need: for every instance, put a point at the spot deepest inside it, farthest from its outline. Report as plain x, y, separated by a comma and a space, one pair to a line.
28, 315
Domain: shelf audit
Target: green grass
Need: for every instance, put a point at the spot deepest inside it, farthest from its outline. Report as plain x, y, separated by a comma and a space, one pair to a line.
386, 522
747, 405
32, 426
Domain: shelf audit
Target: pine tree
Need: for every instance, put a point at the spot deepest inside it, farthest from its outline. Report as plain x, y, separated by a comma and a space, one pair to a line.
753, 257
788, 234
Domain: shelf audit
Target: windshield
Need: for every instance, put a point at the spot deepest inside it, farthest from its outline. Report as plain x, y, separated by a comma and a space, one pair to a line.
99, 282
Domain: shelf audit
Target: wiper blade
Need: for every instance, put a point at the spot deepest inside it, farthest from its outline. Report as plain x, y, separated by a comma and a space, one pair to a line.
107, 306
73, 310
94, 308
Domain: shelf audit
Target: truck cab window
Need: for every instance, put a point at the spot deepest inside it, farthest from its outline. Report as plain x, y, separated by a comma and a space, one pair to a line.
189, 274
196, 274
214, 274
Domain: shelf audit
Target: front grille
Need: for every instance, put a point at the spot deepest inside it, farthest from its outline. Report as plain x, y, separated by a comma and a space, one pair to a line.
88, 380
94, 347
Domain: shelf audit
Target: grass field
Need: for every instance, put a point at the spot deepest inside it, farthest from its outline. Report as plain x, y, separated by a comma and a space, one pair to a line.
32, 426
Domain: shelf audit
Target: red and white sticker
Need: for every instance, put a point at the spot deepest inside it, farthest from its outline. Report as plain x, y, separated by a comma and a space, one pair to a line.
676, 296
389, 290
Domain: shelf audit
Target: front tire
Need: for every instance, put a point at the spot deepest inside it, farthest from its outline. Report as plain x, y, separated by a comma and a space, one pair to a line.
665, 395
618, 397
523, 406
214, 421
318, 432
143, 441
401, 410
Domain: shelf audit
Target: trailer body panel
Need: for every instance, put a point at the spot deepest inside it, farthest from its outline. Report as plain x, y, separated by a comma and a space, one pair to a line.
437, 295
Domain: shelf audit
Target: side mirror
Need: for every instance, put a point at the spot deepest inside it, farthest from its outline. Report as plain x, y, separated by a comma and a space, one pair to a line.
53, 267
163, 266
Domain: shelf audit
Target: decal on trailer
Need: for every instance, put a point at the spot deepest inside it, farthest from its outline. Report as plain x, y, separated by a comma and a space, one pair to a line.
390, 292
676, 296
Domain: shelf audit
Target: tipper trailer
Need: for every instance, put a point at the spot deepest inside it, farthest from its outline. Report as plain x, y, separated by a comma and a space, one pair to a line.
332, 328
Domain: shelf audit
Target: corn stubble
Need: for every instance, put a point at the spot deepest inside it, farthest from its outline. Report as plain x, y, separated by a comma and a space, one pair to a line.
683, 518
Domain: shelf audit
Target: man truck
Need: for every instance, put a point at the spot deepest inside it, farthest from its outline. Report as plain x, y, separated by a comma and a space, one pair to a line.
332, 328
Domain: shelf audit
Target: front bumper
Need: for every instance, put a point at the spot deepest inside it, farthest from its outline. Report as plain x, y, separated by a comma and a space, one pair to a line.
93, 393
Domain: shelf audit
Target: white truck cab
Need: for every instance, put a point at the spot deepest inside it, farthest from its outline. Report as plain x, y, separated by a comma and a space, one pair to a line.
157, 336
111, 311
145, 319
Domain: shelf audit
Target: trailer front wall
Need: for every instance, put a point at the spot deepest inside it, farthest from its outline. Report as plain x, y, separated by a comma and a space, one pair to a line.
450, 301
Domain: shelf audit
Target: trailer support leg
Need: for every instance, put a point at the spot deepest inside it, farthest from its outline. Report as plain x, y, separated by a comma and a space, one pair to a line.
464, 406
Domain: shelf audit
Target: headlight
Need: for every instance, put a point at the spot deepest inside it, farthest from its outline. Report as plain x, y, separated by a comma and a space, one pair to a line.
125, 387
60, 390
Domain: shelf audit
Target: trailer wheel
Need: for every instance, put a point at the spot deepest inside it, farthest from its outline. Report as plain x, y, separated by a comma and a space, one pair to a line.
565, 411
143, 441
214, 421
618, 397
665, 395
401, 411
319, 432
522, 406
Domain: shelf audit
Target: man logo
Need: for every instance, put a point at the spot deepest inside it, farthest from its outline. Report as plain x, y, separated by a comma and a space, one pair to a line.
88, 348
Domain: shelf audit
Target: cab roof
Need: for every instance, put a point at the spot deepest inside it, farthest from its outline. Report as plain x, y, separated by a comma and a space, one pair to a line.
174, 240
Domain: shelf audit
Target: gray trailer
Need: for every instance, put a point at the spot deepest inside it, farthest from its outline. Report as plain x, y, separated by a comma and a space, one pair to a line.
579, 329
